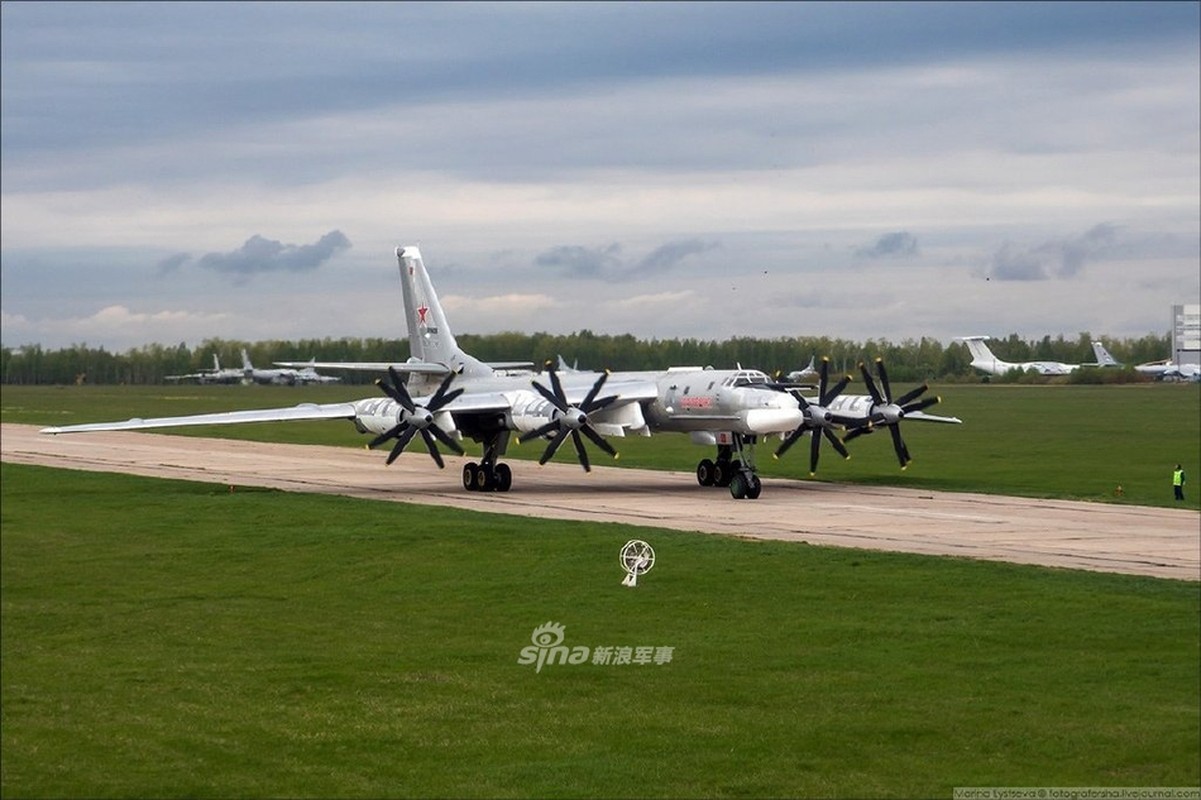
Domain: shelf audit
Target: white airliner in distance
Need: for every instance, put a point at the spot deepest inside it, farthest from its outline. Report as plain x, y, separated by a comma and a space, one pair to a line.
984, 360
1170, 370
450, 395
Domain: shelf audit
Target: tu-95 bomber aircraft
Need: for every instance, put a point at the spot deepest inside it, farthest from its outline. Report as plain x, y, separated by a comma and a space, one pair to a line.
443, 395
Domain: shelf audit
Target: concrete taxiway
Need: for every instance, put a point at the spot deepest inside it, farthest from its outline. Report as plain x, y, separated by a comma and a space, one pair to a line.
1160, 542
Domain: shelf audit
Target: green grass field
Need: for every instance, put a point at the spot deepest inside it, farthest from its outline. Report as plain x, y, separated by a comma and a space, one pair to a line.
1078, 442
166, 638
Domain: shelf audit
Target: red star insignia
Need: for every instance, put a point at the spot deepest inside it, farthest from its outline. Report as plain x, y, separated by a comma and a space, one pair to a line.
421, 312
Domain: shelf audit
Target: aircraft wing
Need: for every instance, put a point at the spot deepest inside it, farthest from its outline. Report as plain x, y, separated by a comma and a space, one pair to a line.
422, 367
304, 411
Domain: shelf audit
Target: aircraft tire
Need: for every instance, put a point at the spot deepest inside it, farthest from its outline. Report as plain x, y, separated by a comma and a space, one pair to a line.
704, 473
754, 487
738, 486
469, 472
502, 478
483, 480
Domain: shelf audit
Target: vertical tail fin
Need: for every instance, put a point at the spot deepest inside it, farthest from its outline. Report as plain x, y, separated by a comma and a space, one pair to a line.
246, 360
430, 337
1104, 359
982, 357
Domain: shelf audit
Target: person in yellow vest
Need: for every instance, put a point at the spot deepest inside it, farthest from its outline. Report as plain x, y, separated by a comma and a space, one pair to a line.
1178, 482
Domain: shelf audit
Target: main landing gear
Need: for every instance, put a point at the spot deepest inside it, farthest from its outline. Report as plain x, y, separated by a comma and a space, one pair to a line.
734, 467
488, 475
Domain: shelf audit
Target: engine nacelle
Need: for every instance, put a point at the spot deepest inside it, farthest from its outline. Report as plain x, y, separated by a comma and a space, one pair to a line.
529, 411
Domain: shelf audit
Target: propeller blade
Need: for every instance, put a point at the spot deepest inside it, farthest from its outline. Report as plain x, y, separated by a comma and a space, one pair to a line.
913, 395
887, 391
396, 390
554, 445
443, 437
877, 399
859, 431
550, 397
442, 397
579, 448
558, 387
401, 442
597, 405
898, 444
599, 440
824, 376
929, 401
592, 393
429, 444
383, 437
837, 390
835, 443
541, 431
815, 450
790, 440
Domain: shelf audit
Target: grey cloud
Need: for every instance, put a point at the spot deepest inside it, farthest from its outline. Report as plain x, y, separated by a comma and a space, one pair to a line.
172, 263
664, 258
1061, 258
896, 245
582, 262
1011, 263
259, 254
606, 263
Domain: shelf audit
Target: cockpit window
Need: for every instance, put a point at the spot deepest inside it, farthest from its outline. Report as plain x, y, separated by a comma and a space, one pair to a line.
746, 377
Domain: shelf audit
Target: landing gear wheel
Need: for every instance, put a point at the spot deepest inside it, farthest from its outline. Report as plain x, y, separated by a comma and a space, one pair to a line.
722, 473
483, 480
738, 486
754, 487
502, 478
704, 473
469, 472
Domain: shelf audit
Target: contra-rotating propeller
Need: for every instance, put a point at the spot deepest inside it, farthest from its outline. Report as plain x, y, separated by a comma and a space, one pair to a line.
889, 412
819, 421
416, 419
568, 419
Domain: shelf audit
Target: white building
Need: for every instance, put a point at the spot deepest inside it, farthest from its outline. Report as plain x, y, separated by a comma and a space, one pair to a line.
1186, 334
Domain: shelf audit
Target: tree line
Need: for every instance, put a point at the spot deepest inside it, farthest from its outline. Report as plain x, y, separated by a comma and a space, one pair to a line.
907, 360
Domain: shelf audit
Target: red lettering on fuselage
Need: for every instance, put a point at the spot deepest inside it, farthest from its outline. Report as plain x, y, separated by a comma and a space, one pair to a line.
696, 402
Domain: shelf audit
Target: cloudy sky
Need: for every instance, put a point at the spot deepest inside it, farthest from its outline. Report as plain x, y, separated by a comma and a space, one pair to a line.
182, 171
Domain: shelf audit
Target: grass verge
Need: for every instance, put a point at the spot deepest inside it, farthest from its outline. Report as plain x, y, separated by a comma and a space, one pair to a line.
167, 638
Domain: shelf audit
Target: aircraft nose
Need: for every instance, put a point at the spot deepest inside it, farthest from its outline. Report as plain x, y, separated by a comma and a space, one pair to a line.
774, 420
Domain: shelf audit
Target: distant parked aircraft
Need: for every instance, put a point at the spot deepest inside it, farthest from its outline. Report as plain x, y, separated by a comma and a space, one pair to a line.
214, 375
1169, 370
984, 360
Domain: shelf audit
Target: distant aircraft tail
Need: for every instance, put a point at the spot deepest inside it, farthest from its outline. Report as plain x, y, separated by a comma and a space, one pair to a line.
1104, 359
246, 365
430, 338
983, 358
